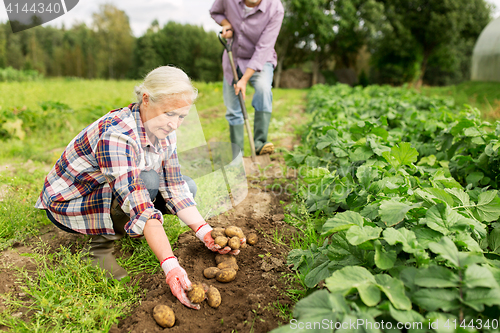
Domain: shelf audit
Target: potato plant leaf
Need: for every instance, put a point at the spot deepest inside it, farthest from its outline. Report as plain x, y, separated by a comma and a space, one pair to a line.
436, 277
404, 153
320, 305
384, 259
406, 316
348, 278
403, 236
478, 276
342, 221
440, 194
494, 240
488, 206
320, 272
366, 175
448, 250
477, 298
394, 289
392, 211
465, 240
315, 175
433, 299
444, 219
357, 235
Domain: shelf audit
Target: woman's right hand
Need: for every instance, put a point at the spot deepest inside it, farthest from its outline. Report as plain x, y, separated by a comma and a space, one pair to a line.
204, 234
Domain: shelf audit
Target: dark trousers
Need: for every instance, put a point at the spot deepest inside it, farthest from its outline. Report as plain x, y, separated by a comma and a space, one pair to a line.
119, 217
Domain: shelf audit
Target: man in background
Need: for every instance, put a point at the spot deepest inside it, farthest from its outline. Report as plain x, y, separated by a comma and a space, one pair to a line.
254, 25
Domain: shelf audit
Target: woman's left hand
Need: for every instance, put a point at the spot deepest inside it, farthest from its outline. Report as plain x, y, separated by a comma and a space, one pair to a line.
178, 281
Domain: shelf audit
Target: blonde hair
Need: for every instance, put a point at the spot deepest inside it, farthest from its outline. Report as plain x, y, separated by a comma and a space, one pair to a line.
166, 82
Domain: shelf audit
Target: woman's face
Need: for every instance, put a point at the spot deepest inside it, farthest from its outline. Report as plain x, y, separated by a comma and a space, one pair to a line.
162, 118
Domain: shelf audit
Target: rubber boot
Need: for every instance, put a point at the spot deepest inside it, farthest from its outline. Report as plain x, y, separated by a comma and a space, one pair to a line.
237, 133
101, 255
260, 129
101, 246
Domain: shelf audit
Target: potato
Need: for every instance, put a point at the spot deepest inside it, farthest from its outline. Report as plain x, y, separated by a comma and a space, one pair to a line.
228, 264
252, 238
234, 243
197, 294
225, 275
243, 246
210, 272
216, 232
213, 297
164, 315
221, 241
234, 231
224, 257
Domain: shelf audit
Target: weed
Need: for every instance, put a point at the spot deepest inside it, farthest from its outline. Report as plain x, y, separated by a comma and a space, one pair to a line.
284, 311
279, 238
268, 254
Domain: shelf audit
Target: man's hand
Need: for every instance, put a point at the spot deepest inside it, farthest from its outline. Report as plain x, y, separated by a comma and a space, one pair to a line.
204, 234
227, 29
241, 85
178, 281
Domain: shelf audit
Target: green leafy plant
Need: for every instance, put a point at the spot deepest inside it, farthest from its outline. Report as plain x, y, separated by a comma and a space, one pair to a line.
407, 188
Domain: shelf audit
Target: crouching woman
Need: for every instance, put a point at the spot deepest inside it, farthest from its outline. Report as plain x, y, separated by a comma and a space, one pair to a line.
120, 174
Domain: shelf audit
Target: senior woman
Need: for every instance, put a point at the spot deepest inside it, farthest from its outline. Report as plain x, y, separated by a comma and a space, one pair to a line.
120, 175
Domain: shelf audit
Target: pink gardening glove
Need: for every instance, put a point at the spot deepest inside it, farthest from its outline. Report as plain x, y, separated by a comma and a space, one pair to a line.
178, 281
203, 234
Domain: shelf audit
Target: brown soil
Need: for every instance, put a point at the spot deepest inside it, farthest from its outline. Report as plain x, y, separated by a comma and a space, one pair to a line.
247, 302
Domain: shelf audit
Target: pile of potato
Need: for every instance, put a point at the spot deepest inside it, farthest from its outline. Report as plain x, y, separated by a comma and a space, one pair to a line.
226, 264
226, 268
231, 236
201, 291
164, 315
224, 272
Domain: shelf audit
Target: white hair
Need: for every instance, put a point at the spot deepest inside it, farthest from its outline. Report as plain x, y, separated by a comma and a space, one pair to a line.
166, 82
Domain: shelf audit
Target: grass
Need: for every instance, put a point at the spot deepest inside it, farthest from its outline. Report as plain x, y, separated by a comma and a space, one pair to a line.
483, 95
67, 294
76, 93
19, 190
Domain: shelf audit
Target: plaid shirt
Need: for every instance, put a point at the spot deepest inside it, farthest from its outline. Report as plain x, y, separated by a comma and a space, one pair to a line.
104, 162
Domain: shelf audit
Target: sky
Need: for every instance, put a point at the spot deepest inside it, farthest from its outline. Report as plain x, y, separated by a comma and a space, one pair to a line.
143, 12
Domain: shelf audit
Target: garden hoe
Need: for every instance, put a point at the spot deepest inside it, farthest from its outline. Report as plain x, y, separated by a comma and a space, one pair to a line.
251, 165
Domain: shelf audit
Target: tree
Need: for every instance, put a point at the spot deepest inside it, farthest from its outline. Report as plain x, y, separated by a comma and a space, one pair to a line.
116, 42
330, 28
186, 46
429, 25
451, 63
